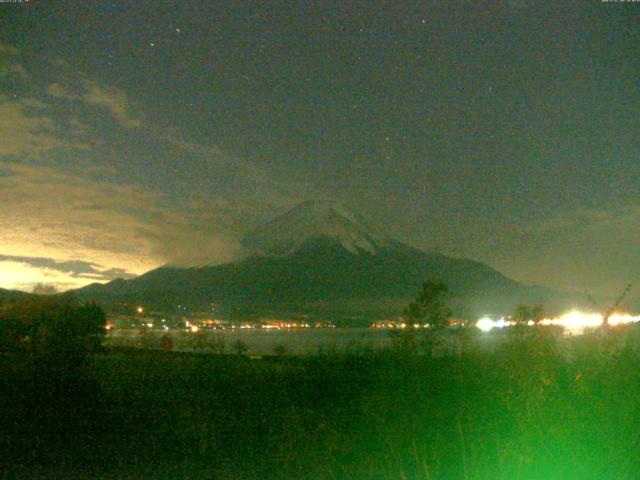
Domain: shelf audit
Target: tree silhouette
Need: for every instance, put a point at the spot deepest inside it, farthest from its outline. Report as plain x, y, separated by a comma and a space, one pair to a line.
51, 325
537, 314
522, 314
430, 306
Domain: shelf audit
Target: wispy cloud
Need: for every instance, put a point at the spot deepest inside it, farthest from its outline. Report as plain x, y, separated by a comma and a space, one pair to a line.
27, 131
74, 268
53, 214
9, 50
23, 276
44, 275
9, 63
8, 69
80, 230
585, 249
109, 99
71, 216
583, 219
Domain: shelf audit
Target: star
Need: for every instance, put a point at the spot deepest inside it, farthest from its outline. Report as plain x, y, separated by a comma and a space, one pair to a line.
152, 44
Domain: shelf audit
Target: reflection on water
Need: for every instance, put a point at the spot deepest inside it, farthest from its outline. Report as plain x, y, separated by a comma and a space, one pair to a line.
258, 341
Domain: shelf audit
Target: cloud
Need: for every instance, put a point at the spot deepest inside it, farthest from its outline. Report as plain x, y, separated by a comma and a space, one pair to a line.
592, 250
70, 230
53, 214
110, 99
42, 289
28, 132
66, 216
9, 67
22, 276
77, 269
584, 219
58, 91
84, 219
174, 139
9, 50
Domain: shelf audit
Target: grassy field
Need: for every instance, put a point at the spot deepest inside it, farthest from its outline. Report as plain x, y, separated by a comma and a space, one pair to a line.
520, 411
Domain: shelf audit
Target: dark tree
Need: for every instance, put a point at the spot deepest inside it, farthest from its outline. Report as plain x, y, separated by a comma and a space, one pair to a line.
51, 325
522, 314
430, 306
537, 314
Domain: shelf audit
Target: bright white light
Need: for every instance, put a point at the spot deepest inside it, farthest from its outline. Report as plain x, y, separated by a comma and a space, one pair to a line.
574, 322
486, 324
622, 318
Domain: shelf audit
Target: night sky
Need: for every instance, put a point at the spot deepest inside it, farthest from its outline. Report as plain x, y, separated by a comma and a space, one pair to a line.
133, 134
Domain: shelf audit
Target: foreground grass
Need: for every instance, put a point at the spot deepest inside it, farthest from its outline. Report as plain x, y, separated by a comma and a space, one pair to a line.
521, 411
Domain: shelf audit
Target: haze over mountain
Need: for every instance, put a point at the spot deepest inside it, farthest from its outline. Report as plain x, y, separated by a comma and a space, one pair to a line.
324, 260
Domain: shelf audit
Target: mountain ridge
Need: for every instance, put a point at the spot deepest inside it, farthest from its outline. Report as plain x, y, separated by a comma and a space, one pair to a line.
311, 219
331, 261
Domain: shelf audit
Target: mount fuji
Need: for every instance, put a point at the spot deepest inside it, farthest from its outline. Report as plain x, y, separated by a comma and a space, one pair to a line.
311, 220
322, 260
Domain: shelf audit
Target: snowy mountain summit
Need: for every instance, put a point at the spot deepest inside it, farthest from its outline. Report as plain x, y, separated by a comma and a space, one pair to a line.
309, 221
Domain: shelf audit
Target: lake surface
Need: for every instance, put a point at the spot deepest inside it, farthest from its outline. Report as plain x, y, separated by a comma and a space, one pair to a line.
317, 340
258, 341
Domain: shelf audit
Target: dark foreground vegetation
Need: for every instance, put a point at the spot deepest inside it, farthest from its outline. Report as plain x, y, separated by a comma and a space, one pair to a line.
521, 410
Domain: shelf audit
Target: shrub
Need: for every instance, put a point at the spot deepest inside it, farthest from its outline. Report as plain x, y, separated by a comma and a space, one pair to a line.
51, 325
